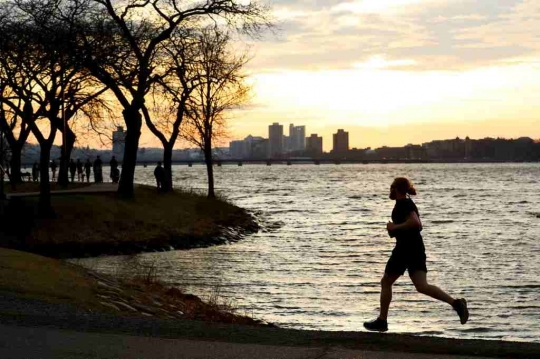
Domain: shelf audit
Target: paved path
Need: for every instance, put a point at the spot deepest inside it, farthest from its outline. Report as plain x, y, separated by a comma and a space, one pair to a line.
91, 188
27, 342
30, 328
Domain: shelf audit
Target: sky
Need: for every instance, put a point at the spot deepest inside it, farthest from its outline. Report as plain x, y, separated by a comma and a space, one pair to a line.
393, 72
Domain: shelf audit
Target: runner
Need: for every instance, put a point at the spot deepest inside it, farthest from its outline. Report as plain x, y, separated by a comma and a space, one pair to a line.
409, 253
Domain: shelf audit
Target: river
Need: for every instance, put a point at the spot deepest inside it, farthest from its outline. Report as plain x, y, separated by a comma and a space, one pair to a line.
318, 263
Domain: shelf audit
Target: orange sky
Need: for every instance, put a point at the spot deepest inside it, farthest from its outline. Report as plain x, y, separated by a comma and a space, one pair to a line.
398, 71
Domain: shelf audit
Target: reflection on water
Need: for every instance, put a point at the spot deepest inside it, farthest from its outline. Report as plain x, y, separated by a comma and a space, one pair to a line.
318, 265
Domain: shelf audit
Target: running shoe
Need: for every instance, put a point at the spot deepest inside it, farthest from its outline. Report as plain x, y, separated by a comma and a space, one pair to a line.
460, 306
377, 325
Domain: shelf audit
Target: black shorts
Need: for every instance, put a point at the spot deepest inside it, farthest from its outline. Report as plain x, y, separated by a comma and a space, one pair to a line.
402, 260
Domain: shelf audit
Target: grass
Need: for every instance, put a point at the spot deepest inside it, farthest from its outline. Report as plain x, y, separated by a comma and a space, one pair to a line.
106, 222
36, 277
213, 307
83, 222
50, 280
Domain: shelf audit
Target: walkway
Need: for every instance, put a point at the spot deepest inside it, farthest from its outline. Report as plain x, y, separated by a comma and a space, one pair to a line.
25, 342
31, 328
91, 188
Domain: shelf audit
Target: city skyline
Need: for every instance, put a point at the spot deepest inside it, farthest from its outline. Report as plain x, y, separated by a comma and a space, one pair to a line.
457, 69
278, 145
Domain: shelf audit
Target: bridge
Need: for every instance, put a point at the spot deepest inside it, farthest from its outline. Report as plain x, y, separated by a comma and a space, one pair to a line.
281, 161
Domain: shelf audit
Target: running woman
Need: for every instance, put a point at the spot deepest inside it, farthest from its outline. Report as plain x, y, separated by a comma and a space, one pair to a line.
410, 254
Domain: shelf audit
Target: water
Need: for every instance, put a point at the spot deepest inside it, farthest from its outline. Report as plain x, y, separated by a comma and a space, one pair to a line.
318, 264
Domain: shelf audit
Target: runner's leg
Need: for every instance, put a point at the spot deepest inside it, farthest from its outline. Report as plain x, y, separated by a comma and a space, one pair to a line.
386, 293
419, 279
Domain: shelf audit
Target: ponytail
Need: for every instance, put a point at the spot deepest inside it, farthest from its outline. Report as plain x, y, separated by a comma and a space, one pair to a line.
404, 186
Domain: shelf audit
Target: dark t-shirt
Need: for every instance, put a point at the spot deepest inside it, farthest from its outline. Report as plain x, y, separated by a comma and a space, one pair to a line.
406, 239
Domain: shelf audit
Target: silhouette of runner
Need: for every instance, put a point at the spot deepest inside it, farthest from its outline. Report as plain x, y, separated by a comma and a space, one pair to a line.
409, 253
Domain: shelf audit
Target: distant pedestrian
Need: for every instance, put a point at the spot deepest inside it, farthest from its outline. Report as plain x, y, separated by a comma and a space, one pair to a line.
115, 175
87, 168
98, 170
114, 166
72, 169
35, 171
80, 171
159, 173
54, 166
410, 254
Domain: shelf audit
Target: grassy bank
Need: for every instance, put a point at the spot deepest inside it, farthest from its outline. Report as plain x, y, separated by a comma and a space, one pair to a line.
93, 224
34, 277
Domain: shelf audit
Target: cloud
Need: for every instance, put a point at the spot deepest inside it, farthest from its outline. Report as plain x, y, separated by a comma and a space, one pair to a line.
379, 62
435, 34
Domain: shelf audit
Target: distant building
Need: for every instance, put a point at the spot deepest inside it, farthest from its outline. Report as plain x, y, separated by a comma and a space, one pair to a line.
314, 145
249, 147
415, 152
275, 138
237, 149
341, 142
119, 143
391, 153
468, 147
260, 149
447, 149
297, 138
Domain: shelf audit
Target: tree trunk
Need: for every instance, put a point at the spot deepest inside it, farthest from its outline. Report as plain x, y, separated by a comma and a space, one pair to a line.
209, 168
68, 142
45, 208
133, 120
15, 164
167, 166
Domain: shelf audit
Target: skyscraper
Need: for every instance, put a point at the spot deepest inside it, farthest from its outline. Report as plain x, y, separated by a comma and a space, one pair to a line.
314, 145
275, 138
341, 142
297, 138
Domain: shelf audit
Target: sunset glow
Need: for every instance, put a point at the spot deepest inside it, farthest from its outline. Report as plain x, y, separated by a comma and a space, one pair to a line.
417, 65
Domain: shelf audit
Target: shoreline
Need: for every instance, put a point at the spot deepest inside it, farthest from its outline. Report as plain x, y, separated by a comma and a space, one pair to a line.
62, 295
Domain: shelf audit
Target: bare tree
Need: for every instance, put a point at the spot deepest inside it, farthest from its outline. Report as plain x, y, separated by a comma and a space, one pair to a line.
13, 125
65, 83
21, 66
171, 95
139, 28
46, 87
222, 88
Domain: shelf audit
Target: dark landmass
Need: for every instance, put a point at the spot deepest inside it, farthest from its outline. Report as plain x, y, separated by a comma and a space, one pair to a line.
87, 225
